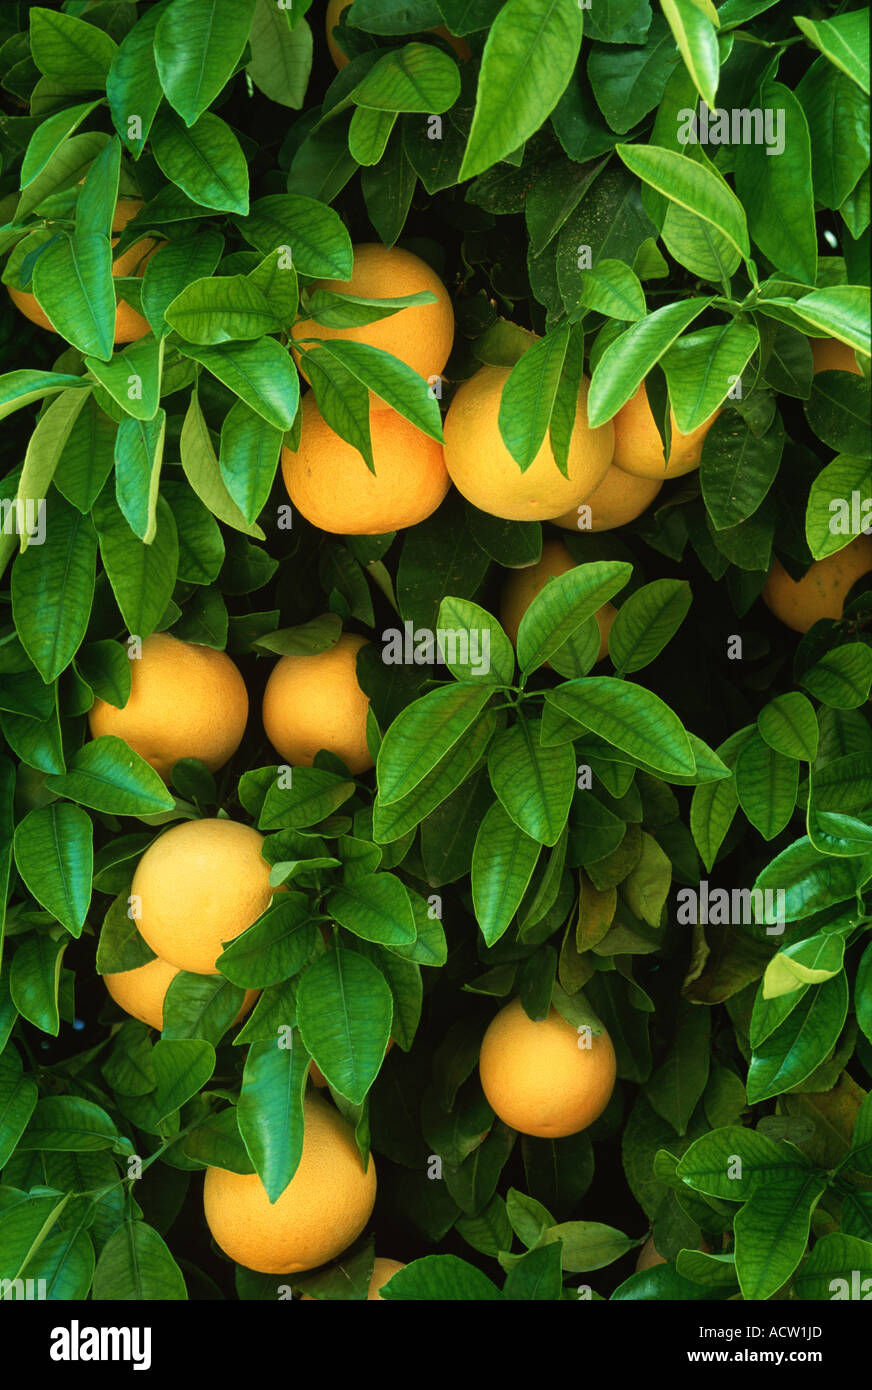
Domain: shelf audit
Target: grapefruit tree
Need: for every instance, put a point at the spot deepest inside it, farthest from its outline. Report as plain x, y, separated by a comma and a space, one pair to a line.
435, 654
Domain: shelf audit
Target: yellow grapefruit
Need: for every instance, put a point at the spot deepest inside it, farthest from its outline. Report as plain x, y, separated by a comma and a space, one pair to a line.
315, 702
330, 483
420, 335
537, 1078
619, 499
639, 448
829, 355
198, 885
483, 470
321, 1212
141, 992
186, 701
821, 591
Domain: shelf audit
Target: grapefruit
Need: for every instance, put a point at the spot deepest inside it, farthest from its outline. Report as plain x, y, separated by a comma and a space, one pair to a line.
821, 591
538, 1080
483, 470
639, 448
330, 483
197, 885
420, 335
829, 355
141, 992
619, 499
321, 1212
186, 701
315, 702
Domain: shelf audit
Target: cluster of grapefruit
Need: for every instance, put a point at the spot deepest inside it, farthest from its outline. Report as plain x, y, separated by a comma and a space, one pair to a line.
203, 882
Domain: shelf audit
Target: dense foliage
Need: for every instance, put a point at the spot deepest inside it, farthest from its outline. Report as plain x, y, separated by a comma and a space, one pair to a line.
527, 832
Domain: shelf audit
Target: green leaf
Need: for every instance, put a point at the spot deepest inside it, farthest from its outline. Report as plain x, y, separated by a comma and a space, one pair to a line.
197, 44
537, 1275
842, 677
135, 1264
392, 380
772, 1231
473, 644
52, 589
47, 138
248, 458
138, 456
202, 470
142, 576
828, 1272
272, 949
566, 601
613, 289
107, 775
69, 1123
45, 450
529, 56
311, 231
844, 40
691, 186
441, 1277
838, 412
503, 861
629, 358
697, 41
182, 1066
766, 785
776, 189
534, 784
55, 856
312, 795
72, 281
281, 57
630, 717
206, 161
628, 83
221, 309
375, 907
391, 822
132, 83
74, 53
260, 373
788, 724
20, 388
132, 377
344, 1008
528, 396
841, 311
423, 733
702, 367
179, 263
647, 621
418, 77
798, 1046
18, 1097
270, 1109
836, 116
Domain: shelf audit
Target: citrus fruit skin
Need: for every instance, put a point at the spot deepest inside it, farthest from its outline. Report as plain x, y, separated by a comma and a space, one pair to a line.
324, 1208
129, 324
141, 992
521, 586
829, 355
382, 1270
329, 482
334, 11
620, 498
821, 591
639, 448
200, 884
649, 1256
186, 701
538, 1080
420, 335
314, 702
483, 470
